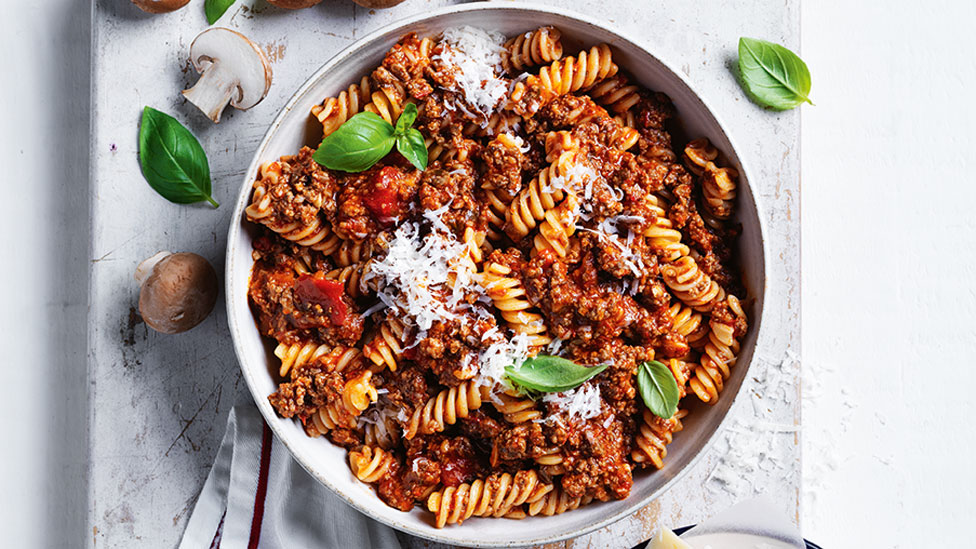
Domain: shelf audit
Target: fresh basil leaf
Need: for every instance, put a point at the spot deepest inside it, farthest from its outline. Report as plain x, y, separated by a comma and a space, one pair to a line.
413, 148
658, 388
406, 120
551, 374
360, 142
215, 8
172, 160
772, 75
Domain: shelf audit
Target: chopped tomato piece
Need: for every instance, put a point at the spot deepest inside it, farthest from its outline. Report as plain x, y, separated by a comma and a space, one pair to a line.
324, 293
383, 200
457, 470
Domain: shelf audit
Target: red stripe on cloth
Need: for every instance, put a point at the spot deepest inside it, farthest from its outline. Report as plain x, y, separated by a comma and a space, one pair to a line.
262, 488
215, 543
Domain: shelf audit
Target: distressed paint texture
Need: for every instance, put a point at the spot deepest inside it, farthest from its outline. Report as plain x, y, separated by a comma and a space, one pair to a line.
159, 403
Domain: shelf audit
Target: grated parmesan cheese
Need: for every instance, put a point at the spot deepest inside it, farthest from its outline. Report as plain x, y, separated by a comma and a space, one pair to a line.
583, 402
415, 269
519, 142
555, 346
577, 178
477, 55
754, 446
499, 353
381, 416
607, 231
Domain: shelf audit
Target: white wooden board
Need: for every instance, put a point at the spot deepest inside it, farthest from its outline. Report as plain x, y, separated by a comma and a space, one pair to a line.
158, 403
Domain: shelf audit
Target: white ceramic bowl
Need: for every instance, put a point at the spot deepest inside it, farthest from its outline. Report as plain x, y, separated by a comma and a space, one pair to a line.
326, 462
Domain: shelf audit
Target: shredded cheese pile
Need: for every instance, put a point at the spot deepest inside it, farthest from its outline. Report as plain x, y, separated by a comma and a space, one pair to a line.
477, 55
414, 269
582, 402
499, 353
519, 142
608, 231
575, 178
379, 416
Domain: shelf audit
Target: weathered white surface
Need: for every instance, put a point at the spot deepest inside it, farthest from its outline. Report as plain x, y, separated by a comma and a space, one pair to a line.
158, 402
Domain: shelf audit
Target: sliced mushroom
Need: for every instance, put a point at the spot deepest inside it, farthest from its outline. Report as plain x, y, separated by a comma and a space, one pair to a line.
232, 70
294, 4
377, 3
160, 6
178, 291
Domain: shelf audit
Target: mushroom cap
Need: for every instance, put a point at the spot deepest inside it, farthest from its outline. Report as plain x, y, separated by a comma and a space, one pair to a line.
294, 4
377, 3
178, 293
236, 52
160, 6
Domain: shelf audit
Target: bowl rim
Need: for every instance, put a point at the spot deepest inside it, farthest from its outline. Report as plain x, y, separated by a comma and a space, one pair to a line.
347, 54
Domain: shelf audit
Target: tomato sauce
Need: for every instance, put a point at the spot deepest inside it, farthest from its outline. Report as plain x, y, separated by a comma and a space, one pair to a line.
327, 294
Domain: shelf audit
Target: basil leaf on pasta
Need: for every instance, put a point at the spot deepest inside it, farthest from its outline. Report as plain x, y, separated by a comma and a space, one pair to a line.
406, 120
658, 389
172, 160
215, 8
412, 147
551, 374
772, 75
360, 142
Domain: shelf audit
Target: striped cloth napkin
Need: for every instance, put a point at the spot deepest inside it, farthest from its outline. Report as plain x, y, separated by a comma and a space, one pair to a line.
257, 496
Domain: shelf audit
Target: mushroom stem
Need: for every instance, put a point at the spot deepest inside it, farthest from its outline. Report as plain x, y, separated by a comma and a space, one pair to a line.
214, 90
146, 267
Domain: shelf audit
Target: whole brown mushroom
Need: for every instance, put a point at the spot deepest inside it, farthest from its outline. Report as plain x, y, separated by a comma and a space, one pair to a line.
294, 4
178, 291
160, 6
380, 4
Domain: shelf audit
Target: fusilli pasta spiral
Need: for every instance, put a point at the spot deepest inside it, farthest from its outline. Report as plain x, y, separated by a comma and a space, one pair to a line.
687, 322
556, 501
445, 409
352, 252
351, 277
717, 358
383, 432
681, 371
558, 144
661, 235
329, 417
497, 124
370, 463
508, 295
559, 225
572, 73
386, 346
718, 184
387, 103
615, 94
334, 111
516, 409
552, 457
358, 393
654, 436
296, 355
691, 285
531, 205
494, 496
497, 210
316, 235
532, 48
